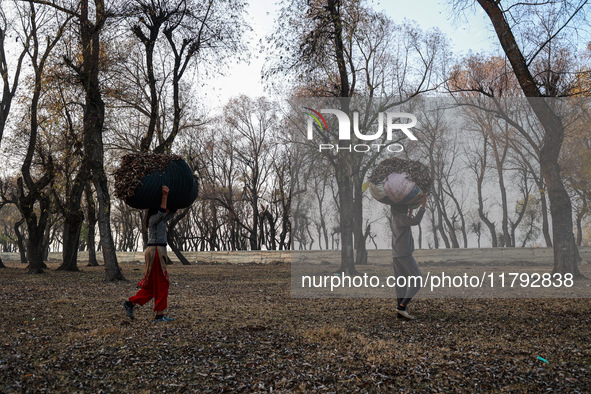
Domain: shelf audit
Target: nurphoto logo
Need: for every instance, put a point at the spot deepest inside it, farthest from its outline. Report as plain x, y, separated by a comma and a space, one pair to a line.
380, 142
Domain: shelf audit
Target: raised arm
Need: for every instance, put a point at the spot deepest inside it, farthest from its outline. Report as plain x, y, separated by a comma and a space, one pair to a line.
165, 191
156, 218
416, 219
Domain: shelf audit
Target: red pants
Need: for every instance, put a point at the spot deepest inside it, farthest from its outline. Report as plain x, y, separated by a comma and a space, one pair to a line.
156, 287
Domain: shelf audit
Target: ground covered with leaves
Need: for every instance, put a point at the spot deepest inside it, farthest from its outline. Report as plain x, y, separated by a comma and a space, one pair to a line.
238, 329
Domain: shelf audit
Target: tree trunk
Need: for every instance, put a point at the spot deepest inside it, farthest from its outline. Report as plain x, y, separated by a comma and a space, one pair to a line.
491, 227
566, 254
545, 224
504, 204
73, 219
479, 180
434, 228
20, 241
284, 240
26, 201
521, 212
113, 272
149, 43
72, 225
272, 233
451, 231
91, 219
462, 220
46, 240
440, 227
254, 231
35, 250
358, 233
35, 229
579, 240
346, 218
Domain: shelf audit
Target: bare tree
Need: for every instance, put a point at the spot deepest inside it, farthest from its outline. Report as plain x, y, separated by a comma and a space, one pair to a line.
439, 147
10, 77
253, 123
33, 200
341, 49
180, 34
91, 19
555, 17
576, 163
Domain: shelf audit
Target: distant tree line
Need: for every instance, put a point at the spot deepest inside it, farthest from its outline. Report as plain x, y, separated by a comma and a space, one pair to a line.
86, 82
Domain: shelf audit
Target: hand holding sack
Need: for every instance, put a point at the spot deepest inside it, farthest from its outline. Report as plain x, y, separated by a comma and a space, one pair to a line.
398, 181
140, 177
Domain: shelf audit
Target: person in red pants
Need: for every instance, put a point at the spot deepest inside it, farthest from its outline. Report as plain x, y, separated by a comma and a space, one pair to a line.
155, 282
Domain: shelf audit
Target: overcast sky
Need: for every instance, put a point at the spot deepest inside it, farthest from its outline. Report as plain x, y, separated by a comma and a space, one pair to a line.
245, 78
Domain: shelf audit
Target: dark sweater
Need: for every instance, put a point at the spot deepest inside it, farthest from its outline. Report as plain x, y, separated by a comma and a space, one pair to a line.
402, 241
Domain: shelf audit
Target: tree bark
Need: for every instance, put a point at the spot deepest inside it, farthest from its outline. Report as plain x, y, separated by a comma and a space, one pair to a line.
434, 228
73, 220
20, 241
91, 219
499, 161
113, 272
35, 226
359, 237
35, 251
345, 188
579, 222
47, 240
545, 224
479, 181
566, 254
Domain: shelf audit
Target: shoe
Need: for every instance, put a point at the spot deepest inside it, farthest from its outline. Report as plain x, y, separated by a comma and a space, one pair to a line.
128, 305
404, 314
163, 318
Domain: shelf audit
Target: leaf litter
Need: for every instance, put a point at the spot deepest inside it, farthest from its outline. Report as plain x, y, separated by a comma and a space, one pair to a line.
67, 332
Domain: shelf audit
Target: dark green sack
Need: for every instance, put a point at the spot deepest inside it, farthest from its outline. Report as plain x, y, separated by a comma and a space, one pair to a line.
140, 178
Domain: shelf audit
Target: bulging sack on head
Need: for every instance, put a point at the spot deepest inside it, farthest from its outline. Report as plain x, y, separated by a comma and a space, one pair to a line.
397, 189
377, 191
140, 178
401, 190
398, 181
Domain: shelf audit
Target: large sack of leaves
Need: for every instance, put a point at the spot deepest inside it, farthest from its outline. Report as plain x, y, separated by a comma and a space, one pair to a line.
398, 181
140, 177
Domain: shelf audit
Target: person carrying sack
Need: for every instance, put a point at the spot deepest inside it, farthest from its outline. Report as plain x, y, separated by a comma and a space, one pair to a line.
403, 247
155, 282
